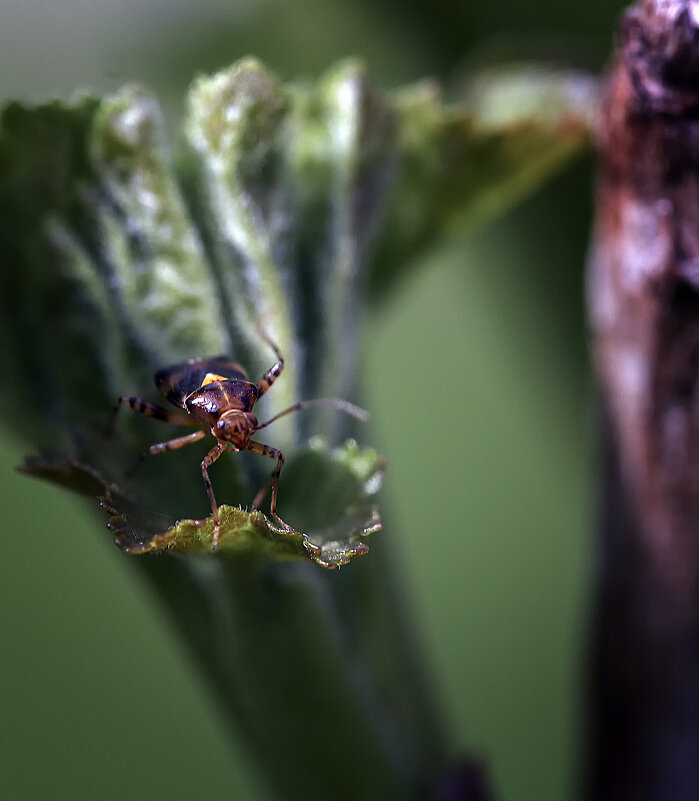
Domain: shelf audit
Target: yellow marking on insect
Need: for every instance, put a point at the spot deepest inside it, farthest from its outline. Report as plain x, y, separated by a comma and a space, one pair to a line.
212, 378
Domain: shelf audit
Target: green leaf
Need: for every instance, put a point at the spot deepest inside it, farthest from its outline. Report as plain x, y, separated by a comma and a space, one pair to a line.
461, 164
159, 264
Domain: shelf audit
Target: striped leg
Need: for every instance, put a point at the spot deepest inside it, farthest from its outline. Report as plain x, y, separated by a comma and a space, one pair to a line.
274, 372
208, 460
266, 450
151, 410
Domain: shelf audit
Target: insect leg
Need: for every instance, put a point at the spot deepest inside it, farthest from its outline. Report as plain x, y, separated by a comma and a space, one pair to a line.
275, 371
151, 410
208, 460
162, 447
264, 489
266, 450
178, 442
337, 403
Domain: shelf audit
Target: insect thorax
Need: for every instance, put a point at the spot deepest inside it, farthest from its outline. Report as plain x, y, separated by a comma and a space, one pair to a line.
210, 402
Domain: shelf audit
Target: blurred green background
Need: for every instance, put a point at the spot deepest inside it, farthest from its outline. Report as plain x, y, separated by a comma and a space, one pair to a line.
490, 512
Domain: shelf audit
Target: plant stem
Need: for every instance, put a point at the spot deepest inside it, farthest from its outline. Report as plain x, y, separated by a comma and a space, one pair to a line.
287, 626
644, 303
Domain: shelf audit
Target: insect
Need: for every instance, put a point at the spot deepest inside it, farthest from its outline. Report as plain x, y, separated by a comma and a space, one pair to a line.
218, 399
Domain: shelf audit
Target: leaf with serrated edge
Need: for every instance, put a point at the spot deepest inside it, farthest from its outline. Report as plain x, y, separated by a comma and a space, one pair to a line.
244, 534
333, 542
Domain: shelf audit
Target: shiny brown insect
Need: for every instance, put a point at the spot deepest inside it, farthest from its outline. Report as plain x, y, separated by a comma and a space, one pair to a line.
219, 399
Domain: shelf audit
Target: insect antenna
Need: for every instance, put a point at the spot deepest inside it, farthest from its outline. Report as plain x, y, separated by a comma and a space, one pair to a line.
337, 403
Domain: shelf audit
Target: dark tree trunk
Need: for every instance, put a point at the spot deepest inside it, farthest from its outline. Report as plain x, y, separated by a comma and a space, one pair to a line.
644, 305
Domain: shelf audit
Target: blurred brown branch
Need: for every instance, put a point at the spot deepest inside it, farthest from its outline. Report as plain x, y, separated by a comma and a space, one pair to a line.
644, 304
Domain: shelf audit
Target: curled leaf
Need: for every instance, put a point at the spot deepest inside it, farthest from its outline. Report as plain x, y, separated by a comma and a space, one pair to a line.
242, 534
344, 482
286, 206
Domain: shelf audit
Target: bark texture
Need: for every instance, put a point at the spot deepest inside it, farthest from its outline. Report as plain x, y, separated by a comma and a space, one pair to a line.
644, 306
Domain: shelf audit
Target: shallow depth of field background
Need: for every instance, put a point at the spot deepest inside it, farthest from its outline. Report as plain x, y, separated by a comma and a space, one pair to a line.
491, 508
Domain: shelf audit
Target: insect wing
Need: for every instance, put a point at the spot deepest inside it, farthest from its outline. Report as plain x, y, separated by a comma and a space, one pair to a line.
180, 380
